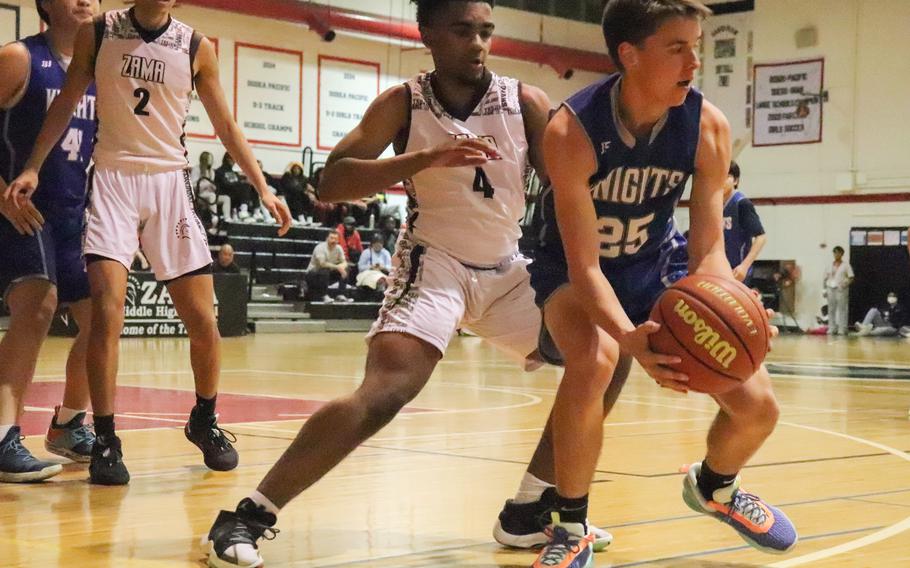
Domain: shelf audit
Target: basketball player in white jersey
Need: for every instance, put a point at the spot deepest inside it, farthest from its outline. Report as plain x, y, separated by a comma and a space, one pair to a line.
463, 138
145, 65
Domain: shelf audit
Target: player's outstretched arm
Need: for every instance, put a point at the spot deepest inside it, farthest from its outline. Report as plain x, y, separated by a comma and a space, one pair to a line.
208, 87
79, 76
353, 170
712, 162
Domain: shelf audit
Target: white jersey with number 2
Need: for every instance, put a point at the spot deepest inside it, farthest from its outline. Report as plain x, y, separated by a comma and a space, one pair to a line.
144, 80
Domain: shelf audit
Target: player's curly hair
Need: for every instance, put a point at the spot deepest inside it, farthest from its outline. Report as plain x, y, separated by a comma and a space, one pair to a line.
426, 9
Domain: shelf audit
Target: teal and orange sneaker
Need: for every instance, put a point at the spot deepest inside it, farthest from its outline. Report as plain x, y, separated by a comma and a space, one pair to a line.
72, 440
566, 548
762, 526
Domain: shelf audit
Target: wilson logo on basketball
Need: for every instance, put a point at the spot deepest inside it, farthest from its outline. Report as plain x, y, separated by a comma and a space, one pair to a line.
721, 351
728, 299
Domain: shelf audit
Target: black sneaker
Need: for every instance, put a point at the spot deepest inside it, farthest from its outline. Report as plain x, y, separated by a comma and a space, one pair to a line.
107, 467
215, 443
232, 539
18, 465
522, 525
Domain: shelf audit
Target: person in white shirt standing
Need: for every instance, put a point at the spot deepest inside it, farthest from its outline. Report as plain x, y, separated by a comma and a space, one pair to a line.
145, 65
838, 277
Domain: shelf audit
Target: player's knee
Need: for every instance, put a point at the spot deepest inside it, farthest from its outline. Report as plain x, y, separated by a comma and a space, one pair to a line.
381, 411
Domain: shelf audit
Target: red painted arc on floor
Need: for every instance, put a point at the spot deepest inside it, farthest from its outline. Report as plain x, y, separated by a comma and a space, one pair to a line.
161, 407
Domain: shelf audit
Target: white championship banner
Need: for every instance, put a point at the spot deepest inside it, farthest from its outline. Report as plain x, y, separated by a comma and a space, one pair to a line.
787, 106
268, 94
346, 89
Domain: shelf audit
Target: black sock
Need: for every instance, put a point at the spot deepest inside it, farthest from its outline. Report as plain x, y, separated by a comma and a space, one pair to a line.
710, 481
205, 407
104, 426
572, 510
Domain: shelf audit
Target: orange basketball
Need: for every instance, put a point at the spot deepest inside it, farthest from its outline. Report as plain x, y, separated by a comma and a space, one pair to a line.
717, 326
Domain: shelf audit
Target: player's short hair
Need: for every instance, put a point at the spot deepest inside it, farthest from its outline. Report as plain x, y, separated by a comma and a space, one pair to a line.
839, 249
45, 17
426, 9
633, 21
734, 170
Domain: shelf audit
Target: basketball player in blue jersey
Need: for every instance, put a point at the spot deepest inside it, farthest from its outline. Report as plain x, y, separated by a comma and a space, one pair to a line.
744, 236
145, 65
619, 154
41, 262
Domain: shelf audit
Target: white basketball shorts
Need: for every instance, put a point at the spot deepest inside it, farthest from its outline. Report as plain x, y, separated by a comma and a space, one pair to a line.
431, 295
152, 210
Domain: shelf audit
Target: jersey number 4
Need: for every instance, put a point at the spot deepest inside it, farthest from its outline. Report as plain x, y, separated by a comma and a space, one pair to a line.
143, 96
72, 144
622, 238
482, 184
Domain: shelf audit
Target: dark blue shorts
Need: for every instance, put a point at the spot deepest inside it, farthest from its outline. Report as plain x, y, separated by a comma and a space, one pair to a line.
637, 285
54, 254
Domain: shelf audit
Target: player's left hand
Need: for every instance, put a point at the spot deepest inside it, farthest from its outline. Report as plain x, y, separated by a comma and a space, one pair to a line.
279, 211
19, 192
26, 219
740, 273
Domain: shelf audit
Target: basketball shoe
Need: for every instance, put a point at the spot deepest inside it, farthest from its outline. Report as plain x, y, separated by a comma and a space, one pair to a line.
18, 465
524, 525
565, 547
233, 538
762, 526
72, 440
107, 467
217, 451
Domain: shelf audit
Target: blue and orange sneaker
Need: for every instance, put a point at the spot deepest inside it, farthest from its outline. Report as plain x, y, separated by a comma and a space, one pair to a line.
566, 547
762, 526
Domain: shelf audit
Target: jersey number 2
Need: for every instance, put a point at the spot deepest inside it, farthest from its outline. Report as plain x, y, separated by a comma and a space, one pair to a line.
143, 96
482, 184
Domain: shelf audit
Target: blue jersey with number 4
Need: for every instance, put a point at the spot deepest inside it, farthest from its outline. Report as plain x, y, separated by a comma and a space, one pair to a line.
63, 175
638, 183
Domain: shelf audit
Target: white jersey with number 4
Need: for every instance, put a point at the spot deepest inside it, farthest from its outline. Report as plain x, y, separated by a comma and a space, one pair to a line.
473, 214
144, 80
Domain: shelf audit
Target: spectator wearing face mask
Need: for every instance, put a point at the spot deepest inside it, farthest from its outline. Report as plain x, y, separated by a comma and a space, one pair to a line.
884, 320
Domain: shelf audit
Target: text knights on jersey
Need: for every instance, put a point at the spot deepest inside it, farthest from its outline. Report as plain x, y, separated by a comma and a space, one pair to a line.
633, 186
138, 67
85, 110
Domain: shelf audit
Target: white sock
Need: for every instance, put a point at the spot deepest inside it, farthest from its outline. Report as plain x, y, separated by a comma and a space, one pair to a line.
4, 430
66, 414
531, 489
264, 501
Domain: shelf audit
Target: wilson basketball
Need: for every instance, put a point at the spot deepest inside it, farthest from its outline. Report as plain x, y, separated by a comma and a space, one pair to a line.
717, 326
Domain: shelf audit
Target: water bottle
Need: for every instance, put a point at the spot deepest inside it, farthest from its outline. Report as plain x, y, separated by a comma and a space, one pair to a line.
372, 220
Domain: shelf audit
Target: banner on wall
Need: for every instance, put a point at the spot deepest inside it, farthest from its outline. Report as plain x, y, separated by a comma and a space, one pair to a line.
9, 23
198, 123
726, 71
268, 94
346, 89
788, 103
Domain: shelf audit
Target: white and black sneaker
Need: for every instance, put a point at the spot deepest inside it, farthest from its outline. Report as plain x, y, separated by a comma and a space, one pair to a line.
233, 538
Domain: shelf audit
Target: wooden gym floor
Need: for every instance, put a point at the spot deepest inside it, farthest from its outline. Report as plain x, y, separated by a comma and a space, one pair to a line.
426, 490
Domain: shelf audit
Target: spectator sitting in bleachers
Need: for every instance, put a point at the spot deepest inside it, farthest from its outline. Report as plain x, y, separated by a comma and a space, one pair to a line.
225, 263
327, 265
374, 265
884, 320
202, 177
389, 230
297, 191
233, 184
349, 239
324, 213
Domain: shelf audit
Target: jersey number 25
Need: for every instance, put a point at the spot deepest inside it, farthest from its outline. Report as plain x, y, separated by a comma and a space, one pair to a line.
622, 238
